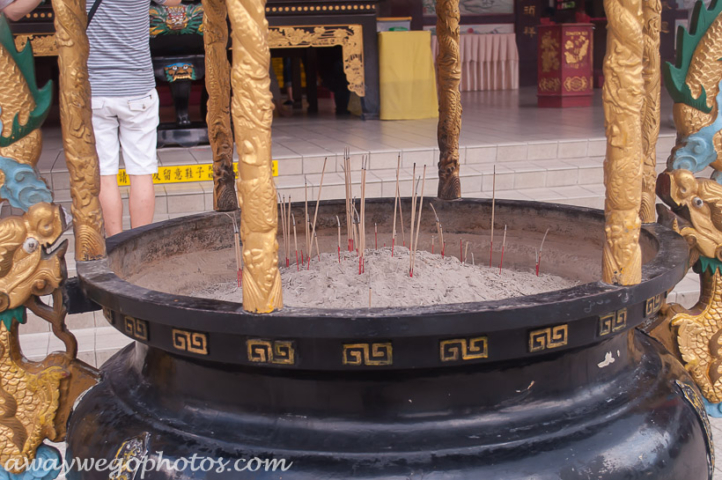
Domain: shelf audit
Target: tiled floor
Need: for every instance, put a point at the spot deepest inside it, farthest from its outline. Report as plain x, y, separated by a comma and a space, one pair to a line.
552, 155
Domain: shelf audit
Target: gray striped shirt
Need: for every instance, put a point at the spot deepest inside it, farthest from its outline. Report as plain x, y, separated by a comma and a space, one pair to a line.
119, 63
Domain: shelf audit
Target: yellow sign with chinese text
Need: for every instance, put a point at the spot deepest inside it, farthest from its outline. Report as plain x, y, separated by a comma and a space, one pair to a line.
184, 173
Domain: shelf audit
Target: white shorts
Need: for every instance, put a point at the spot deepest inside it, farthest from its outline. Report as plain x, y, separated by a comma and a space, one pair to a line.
130, 124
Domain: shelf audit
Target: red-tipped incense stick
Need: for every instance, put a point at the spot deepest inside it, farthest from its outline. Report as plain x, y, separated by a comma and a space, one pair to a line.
503, 245
493, 205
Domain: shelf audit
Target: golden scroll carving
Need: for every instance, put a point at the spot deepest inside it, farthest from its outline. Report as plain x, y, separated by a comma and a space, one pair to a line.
623, 98
218, 84
449, 76
252, 116
77, 127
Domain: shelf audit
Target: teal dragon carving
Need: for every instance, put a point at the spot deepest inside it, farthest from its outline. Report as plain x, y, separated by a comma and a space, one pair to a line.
693, 82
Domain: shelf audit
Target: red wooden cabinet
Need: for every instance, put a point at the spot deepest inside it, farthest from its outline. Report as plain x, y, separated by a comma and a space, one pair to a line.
565, 65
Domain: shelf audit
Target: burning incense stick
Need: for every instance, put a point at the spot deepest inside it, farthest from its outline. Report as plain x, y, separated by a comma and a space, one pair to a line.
339, 238
396, 202
466, 253
493, 206
282, 200
503, 245
295, 240
318, 252
318, 201
349, 214
418, 221
461, 251
362, 225
305, 209
473, 263
288, 229
413, 217
376, 237
539, 255
237, 250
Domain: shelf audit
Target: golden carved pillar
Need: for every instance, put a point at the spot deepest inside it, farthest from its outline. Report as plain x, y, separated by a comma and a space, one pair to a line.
77, 128
218, 84
449, 73
652, 13
252, 115
623, 96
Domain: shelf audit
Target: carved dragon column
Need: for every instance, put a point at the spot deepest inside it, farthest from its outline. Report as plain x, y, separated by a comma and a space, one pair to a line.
218, 84
623, 96
449, 77
652, 13
77, 127
252, 110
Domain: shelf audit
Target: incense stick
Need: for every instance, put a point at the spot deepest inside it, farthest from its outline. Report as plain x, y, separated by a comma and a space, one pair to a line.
396, 202
339, 238
305, 209
318, 252
362, 228
318, 201
503, 246
282, 200
413, 216
539, 255
237, 250
418, 221
288, 229
295, 240
493, 205
466, 253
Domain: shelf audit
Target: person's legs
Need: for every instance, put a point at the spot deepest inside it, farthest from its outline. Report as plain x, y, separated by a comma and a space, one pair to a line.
112, 204
105, 127
138, 139
142, 200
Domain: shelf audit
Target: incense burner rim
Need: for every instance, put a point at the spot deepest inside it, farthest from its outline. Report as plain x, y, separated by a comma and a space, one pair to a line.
575, 316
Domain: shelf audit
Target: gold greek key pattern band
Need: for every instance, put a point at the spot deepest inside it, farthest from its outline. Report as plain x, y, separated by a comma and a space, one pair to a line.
278, 352
370, 354
464, 349
548, 338
193, 342
136, 328
613, 322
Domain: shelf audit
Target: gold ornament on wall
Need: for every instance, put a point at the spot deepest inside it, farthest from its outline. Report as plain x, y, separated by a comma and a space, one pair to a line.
349, 37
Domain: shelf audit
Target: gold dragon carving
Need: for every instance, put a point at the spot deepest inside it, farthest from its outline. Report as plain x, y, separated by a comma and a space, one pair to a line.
693, 82
449, 76
252, 110
698, 331
36, 398
651, 11
218, 84
623, 97
78, 137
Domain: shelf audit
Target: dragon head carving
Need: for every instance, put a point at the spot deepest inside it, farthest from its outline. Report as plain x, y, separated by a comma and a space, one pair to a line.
31, 254
699, 202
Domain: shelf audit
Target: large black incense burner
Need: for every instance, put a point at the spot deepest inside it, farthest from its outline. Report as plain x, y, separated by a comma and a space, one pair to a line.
554, 386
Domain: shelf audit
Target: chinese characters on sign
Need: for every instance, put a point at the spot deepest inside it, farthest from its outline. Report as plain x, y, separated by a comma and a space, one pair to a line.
184, 173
